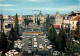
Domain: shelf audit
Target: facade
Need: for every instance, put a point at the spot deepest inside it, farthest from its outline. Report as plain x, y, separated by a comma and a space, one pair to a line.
71, 20
21, 20
38, 17
1, 23
6, 17
73, 23
66, 22
8, 23
58, 20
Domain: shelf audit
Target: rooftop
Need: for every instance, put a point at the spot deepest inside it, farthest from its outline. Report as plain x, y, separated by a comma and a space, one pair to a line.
77, 18
8, 19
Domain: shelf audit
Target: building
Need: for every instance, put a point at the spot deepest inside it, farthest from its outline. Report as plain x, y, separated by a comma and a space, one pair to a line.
58, 20
1, 22
8, 23
66, 23
71, 20
40, 17
73, 23
21, 20
6, 17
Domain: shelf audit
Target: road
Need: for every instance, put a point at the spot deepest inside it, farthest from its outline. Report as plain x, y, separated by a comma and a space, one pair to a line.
39, 52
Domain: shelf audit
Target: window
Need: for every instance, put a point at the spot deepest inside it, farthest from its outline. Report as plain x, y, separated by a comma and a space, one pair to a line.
73, 22
6, 26
10, 25
72, 27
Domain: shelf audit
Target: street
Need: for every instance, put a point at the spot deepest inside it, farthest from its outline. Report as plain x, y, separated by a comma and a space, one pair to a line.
34, 51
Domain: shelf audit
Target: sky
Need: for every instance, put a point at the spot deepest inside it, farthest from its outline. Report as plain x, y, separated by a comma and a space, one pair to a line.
30, 7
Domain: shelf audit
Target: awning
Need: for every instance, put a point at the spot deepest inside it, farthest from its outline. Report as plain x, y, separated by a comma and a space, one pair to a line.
57, 26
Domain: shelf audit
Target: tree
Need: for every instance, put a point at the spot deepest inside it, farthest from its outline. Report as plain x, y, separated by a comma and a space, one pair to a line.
69, 49
27, 21
61, 40
16, 24
4, 42
78, 29
48, 25
53, 34
38, 22
35, 20
13, 36
78, 35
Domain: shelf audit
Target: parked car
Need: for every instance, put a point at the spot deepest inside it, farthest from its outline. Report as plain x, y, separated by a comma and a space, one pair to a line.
21, 38
56, 53
46, 40
17, 49
14, 52
30, 45
41, 46
35, 43
28, 36
77, 41
29, 51
30, 39
9, 54
34, 39
49, 47
76, 54
35, 46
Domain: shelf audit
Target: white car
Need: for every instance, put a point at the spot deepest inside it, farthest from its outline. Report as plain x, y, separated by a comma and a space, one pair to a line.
56, 53
29, 51
35, 46
36, 34
15, 46
9, 54
74, 40
20, 47
14, 52
34, 39
28, 36
22, 36
35, 43
46, 40
41, 46
77, 41
49, 47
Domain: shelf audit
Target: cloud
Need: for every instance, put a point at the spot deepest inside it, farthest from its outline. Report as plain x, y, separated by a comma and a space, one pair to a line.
6, 5
47, 9
35, 0
78, 0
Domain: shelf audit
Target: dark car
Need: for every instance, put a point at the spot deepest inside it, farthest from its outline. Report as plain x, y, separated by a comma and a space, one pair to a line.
21, 38
17, 49
30, 39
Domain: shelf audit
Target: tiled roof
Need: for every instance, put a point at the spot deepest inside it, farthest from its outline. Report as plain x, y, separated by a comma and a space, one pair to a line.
77, 18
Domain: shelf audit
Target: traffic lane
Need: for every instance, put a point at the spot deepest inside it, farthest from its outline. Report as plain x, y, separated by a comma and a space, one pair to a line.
24, 47
40, 40
26, 44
